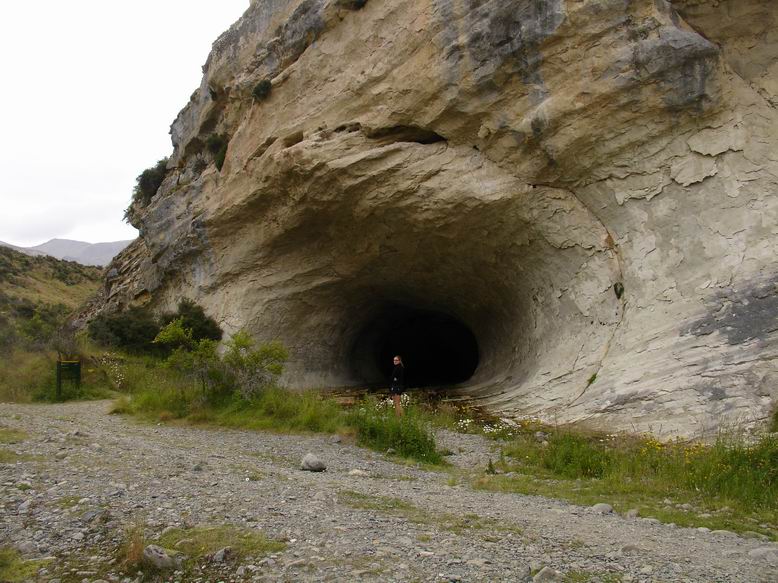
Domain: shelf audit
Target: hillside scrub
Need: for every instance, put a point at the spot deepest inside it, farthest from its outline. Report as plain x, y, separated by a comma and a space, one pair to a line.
37, 295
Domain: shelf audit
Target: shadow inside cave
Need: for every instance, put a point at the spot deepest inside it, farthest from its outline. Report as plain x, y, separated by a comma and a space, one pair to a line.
437, 348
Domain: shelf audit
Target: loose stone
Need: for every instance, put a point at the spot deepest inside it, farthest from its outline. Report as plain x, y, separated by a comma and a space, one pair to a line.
311, 463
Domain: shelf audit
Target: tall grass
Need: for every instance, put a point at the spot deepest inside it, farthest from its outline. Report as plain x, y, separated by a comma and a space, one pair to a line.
276, 409
158, 392
27, 376
731, 470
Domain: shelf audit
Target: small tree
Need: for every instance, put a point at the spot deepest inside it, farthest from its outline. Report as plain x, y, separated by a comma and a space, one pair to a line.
254, 368
175, 335
201, 364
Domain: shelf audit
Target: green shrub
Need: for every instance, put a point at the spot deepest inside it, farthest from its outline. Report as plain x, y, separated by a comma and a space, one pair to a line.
217, 145
201, 364
353, 4
262, 90
7, 334
254, 368
45, 321
174, 335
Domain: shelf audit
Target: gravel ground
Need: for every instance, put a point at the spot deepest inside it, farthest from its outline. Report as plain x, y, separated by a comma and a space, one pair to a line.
87, 476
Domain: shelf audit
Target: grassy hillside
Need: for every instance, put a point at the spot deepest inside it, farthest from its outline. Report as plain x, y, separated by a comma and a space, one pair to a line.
44, 281
37, 294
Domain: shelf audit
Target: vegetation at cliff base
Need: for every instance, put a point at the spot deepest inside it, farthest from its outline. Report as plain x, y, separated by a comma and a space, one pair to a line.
729, 483
135, 329
238, 387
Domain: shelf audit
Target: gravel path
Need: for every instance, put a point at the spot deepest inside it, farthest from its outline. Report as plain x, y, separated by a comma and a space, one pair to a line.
87, 476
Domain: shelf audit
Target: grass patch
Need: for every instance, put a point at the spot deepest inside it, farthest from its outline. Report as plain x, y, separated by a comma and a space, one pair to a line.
14, 569
68, 502
730, 484
591, 577
275, 409
197, 543
12, 435
398, 508
9, 457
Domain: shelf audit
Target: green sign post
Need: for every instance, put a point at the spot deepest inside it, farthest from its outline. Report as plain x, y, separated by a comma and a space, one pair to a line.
68, 371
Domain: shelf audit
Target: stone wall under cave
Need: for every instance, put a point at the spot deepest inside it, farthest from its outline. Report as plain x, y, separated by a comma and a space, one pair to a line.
563, 209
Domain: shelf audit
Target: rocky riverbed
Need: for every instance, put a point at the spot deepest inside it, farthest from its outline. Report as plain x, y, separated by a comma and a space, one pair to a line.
78, 480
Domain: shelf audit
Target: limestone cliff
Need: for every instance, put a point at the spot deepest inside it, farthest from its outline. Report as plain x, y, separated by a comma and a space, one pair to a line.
575, 198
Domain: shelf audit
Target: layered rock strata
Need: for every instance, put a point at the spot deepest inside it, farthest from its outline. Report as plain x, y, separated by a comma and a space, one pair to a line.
577, 198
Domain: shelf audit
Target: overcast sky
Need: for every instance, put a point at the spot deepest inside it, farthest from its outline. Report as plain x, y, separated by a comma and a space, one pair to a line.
89, 90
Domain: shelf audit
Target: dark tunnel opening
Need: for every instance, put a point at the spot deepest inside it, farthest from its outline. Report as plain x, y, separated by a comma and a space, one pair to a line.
437, 349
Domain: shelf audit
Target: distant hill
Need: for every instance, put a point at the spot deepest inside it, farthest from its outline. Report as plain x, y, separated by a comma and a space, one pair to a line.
78, 251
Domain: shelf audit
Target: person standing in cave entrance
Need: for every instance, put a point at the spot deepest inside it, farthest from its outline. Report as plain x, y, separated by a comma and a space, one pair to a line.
397, 387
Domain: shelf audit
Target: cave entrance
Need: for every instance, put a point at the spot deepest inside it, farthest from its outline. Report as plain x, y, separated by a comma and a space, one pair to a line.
437, 348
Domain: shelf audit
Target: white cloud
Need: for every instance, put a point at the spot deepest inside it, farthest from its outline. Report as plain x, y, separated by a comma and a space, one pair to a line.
89, 91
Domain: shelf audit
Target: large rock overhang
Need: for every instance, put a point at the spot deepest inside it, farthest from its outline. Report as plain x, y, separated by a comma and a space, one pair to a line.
580, 195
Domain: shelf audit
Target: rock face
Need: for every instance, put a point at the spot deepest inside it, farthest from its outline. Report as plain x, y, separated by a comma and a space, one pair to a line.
565, 209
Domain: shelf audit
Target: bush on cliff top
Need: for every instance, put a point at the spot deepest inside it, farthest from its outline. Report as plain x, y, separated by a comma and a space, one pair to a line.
149, 181
146, 186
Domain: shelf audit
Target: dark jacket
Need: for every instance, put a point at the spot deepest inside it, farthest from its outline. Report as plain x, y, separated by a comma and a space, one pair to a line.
398, 377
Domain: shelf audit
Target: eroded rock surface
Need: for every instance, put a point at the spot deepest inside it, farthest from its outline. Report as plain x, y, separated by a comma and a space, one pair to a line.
586, 187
